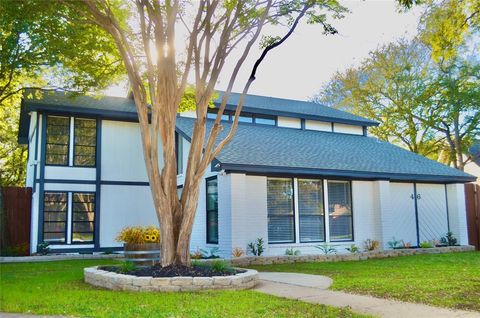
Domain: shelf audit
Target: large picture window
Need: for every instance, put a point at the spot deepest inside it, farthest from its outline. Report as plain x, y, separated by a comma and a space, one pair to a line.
85, 142
57, 143
83, 217
340, 210
310, 210
281, 224
55, 217
212, 210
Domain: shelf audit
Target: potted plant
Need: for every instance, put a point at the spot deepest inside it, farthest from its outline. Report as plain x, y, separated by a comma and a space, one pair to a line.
141, 244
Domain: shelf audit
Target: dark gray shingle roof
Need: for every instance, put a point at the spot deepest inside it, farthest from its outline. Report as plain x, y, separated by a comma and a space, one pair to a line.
59, 99
288, 107
258, 148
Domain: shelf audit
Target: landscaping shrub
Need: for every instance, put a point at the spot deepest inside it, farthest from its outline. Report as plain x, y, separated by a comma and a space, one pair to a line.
256, 248
139, 235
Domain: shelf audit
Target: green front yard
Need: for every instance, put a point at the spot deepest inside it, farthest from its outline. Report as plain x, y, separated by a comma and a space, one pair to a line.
446, 280
57, 288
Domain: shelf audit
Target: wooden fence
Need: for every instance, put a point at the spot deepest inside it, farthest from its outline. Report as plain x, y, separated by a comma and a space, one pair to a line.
472, 201
15, 216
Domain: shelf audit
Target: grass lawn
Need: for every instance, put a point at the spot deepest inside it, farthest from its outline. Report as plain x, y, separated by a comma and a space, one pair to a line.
57, 288
445, 280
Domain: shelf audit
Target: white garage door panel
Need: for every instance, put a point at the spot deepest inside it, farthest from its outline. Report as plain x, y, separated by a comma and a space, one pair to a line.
432, 211
403, 216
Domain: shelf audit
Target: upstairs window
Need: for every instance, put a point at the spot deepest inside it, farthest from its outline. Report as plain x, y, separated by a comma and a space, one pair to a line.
245, 118
265, 120
212, 114
57, 143
84, 150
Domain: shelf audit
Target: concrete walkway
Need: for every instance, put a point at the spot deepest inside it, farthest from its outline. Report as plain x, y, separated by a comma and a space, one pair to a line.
313, 289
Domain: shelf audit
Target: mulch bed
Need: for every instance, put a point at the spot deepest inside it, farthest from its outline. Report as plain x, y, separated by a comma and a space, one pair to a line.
174, 271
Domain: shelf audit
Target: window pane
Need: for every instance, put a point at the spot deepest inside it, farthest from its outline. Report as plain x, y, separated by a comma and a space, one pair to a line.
54, 216
212, 211
212, 114
58, 134
54, 237
265, 120
82, 227
245, 118
310, 208
82, 237
85, 142
83, 217
340, 211
280, 210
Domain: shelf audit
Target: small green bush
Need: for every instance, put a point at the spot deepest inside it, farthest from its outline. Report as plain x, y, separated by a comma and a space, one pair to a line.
221, 266
353, 249
292, 252
426, 244
126, 267
326, 249
256, 248
449, 239
43, 248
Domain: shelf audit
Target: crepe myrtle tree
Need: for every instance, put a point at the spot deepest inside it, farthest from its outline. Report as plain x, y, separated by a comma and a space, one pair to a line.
146, 33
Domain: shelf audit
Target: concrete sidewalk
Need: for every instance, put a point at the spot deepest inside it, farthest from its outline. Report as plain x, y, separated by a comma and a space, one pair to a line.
313, 289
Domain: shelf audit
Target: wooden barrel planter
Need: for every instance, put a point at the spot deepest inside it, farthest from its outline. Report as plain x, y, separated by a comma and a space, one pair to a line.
145, 254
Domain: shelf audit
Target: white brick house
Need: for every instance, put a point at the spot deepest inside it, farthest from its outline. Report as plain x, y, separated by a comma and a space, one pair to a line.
297, 174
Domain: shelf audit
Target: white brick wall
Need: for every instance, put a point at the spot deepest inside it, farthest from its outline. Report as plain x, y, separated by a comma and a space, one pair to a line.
399, 219
457, 212
367, 222
248, 209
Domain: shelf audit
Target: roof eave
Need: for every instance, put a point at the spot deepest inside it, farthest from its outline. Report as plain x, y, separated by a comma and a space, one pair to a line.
347, 174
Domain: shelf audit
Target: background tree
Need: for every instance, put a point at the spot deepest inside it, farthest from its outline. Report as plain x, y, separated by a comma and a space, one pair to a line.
211, 30
424, 94
447, 23
41, 47
391, 87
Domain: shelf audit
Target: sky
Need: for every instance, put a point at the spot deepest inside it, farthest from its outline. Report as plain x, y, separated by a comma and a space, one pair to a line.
299, 67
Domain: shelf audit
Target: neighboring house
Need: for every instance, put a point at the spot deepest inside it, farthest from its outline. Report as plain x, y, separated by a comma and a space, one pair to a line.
296, 174
473, 167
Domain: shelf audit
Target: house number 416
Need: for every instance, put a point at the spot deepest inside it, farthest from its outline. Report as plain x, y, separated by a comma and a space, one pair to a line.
418, 196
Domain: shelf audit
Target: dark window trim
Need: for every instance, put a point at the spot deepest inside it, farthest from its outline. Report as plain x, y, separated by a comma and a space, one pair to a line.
94, 219
74, 145
46, 143
65, 232
207, 211
351, 212
179, 153
254, 117
324, 215
292, 180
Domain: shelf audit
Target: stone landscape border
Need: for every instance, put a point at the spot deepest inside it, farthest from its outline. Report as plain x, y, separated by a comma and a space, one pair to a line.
56, 257
289, 259
114, 281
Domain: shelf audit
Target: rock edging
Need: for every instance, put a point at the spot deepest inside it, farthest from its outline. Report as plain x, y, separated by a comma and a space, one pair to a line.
289, 259
115, 281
